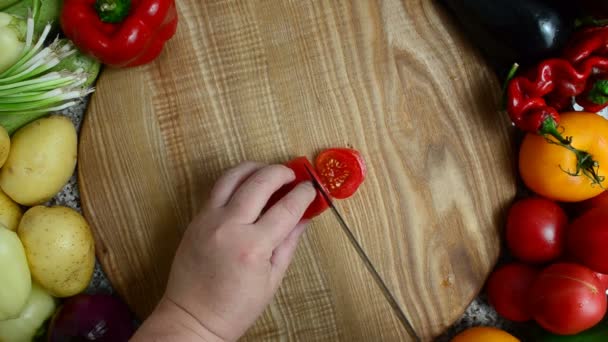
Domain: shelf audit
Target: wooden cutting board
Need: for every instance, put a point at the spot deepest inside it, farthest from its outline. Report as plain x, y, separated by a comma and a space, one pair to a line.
269, 80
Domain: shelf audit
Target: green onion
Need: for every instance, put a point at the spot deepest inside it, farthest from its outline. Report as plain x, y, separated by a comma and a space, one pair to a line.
32, 87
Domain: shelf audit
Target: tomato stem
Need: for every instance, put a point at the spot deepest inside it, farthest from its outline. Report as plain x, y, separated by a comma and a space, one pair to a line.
585, 164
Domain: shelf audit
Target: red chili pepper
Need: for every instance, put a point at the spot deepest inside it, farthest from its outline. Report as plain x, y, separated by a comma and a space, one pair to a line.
120, 33
587, 42
533, 100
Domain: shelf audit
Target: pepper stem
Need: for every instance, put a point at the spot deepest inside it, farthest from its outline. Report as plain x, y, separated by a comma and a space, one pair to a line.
589, 21
585, 164
599, 92
510, 75
112, 11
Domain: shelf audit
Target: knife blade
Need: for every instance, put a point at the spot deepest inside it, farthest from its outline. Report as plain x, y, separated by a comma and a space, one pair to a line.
366, 261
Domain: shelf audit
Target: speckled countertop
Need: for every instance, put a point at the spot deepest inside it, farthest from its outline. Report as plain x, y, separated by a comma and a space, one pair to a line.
478, 313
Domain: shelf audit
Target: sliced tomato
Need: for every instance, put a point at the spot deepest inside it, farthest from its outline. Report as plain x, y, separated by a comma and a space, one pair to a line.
342, 170
299, 167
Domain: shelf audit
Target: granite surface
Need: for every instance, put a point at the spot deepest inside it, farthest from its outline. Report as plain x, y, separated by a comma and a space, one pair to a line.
477, 314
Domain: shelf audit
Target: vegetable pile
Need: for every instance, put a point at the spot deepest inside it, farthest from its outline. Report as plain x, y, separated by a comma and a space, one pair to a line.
558, 280
559, 234
557, 231
47, 254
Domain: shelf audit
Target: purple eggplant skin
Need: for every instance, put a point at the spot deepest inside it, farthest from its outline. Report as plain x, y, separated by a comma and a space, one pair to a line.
96, 317
514, 31
597, 9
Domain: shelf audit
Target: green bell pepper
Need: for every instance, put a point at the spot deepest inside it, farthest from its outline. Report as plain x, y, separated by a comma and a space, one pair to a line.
15, 278
39, 308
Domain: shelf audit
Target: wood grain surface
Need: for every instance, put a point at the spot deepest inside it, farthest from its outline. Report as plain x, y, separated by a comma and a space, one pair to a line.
269, 80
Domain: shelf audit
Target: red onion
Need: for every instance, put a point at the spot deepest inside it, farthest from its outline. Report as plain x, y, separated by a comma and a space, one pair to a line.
97, 317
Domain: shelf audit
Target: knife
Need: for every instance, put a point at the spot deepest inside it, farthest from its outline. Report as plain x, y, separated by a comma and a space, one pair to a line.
366, 260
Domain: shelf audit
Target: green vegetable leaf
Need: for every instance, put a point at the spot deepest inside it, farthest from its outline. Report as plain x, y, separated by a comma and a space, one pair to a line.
7, 3
48, 12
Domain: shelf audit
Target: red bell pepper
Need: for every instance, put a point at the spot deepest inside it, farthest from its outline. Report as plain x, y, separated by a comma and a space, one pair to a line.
120, 33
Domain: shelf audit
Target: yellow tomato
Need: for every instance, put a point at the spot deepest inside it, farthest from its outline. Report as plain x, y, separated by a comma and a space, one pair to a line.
484, 334
544, 166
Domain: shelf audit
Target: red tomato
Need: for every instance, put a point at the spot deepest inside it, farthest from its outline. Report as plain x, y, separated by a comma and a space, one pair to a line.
536, 230
567, 298
595, 202
508, 288
299, 166
588, 239
603, 279
600, 201
341, 170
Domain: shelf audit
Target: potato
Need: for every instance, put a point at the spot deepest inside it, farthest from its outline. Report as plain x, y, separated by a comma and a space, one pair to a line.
59, 248
10, 212
15, 280
5, 145
41, 160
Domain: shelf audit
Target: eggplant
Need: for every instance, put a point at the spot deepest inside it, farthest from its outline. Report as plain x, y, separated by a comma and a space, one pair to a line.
597, 9
514, 31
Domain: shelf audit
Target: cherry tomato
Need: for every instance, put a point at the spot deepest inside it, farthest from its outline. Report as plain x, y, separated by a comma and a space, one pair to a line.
341, 170
484, 334
299, 167
567, 298
536, 229
508, 288
542, 165
588, 239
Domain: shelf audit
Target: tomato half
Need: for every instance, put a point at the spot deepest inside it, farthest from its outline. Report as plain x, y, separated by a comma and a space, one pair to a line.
567, 299
542, 165
508, 288
587, 238
299, 167
536, 229
341, 170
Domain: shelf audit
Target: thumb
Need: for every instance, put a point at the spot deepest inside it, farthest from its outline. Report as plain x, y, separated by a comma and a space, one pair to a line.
283, 254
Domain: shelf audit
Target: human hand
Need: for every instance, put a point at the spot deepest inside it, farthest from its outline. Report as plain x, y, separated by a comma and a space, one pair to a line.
232, 257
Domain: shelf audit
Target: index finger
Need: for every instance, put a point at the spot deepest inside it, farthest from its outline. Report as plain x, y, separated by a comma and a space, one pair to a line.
282, 217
